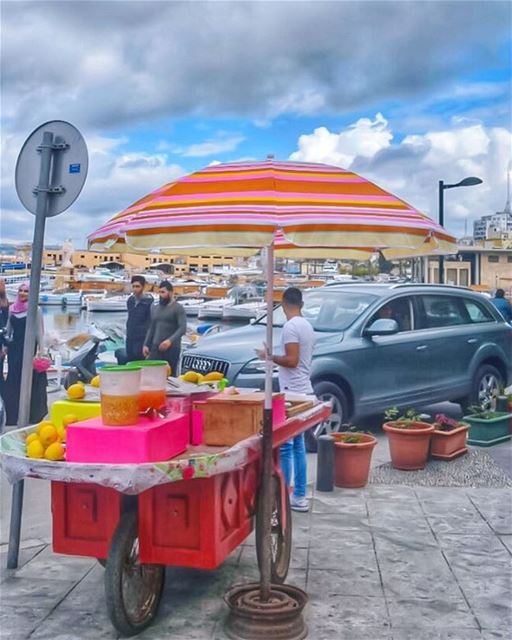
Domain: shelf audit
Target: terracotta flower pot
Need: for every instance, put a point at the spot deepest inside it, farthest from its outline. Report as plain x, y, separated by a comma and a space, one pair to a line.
409, 446
446, 445
352, 461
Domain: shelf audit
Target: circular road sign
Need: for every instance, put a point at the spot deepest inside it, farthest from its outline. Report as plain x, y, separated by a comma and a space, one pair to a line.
68, 171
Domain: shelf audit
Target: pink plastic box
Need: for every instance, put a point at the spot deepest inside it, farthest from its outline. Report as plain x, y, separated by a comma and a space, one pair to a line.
148, 441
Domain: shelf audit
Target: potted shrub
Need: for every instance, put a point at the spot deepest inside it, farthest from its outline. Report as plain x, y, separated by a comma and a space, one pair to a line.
409, 439
352, 456
487, 427
449, 438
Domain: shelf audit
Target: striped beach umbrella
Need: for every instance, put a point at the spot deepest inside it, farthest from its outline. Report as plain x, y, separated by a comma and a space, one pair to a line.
284, 206
245, 204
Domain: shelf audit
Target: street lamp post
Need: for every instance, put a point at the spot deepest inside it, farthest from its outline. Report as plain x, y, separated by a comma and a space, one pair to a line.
467, 182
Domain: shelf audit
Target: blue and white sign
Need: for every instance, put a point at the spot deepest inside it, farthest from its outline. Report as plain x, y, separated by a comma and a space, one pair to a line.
74, 168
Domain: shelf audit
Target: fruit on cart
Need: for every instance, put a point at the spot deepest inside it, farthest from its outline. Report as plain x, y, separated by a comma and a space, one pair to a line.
62, 433
95, 382
48, 435
69, 418
30, 438
42, 425
191, 376
55, 452
76, 391
213, 376
35, 449
200, 378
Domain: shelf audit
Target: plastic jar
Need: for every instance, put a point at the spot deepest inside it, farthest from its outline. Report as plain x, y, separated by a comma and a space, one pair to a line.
153, 382
119, 388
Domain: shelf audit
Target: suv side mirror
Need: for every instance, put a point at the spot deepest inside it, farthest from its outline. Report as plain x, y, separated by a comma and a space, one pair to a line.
382, 327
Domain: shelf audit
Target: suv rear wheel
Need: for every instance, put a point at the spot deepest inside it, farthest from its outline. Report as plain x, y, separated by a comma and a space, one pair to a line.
328, 392
487, 383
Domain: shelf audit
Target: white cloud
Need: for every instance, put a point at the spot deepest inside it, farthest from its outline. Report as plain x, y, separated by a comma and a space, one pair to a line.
364, 138
412, 167
222, 144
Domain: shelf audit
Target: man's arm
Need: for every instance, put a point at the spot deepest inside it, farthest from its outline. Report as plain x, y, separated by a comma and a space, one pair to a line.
148, 341
290, 360
181, 322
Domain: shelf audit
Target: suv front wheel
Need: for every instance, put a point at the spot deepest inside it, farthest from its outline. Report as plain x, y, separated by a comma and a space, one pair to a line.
486, 384
327, 392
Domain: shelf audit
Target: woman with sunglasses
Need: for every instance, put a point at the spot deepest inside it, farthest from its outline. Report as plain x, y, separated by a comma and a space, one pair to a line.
15, 338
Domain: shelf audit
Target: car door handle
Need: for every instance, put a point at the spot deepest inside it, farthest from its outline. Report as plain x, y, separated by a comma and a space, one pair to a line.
472, 340
422, 347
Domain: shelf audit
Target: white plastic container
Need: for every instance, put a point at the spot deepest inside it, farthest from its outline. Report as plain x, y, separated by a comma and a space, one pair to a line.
153, 383
119, 388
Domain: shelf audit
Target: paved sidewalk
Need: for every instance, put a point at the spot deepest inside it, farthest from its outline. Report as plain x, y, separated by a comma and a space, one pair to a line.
380, 563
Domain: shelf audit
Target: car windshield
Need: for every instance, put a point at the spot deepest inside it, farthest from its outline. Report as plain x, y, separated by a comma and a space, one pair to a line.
328, 310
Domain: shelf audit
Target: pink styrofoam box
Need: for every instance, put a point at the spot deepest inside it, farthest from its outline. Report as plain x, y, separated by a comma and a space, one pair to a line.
179, 404
147, 441
278, 411
196, 427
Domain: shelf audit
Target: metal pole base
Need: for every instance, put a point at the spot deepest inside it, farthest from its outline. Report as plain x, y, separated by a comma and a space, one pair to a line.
279, 618
325, 464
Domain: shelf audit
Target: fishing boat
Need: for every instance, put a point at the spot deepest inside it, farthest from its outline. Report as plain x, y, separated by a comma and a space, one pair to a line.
244, 311
214, 309
192, 305
106, 303
60, 299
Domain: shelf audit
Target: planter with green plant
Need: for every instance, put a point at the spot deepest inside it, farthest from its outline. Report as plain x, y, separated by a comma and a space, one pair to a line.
449, 438
487, 427
352, 457
409, 438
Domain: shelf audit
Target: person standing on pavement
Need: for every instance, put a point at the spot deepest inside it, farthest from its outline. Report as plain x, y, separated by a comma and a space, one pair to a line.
139, 317
167, 325
4, 316
297, 342
502, 304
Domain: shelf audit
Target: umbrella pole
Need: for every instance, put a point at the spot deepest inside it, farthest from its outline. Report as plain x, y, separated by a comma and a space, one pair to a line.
266, 454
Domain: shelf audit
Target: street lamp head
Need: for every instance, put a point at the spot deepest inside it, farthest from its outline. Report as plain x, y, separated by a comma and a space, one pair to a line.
469, 182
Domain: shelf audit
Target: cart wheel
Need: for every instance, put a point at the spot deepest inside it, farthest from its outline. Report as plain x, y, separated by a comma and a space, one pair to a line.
132, 590
281, 539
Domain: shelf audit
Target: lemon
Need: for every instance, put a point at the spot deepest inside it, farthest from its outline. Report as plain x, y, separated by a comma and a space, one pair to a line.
55, 452
69, 418
48, 435
76, 391
42, 425
200, 378
191, 376
31, 437
95, 382
61, 431
213, 376
35, 449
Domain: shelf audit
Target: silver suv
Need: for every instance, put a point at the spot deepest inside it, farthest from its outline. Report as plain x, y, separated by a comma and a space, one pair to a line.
379, 345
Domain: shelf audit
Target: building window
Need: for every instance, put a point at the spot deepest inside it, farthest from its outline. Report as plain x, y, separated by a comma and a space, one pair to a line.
82, 257
493, 259
463, 278
509, 258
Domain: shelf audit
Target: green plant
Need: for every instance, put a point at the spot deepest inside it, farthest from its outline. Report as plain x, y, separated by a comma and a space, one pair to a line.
477, 411
404, 421
349, 433
444, 423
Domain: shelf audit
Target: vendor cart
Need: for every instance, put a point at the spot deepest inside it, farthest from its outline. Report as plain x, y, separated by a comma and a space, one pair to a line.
191, 511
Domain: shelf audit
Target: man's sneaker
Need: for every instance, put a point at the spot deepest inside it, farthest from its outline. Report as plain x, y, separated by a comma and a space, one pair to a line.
299, 504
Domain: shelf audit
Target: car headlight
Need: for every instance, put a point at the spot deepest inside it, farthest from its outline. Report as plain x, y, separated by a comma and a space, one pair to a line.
256, 366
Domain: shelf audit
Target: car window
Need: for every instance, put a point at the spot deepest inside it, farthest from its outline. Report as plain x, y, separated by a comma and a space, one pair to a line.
442, 311
477, 312
399, 310
328, 310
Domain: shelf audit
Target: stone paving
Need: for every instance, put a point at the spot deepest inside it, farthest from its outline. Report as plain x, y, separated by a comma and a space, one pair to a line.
379, 563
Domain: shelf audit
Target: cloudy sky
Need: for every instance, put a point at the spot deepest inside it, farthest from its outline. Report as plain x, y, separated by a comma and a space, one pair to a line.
404, 93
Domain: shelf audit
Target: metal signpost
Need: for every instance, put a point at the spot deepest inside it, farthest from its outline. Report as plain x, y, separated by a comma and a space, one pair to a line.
50, 173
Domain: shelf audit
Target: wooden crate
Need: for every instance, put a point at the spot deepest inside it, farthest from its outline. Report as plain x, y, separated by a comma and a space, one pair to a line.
229, 419
295, 407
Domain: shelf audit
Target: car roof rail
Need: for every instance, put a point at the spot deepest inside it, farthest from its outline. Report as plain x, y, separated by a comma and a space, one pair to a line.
430, 284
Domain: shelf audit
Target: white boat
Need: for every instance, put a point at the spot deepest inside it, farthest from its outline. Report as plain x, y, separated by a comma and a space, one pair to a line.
67, 299
245, 311
214, 309
107, 303
192, 305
